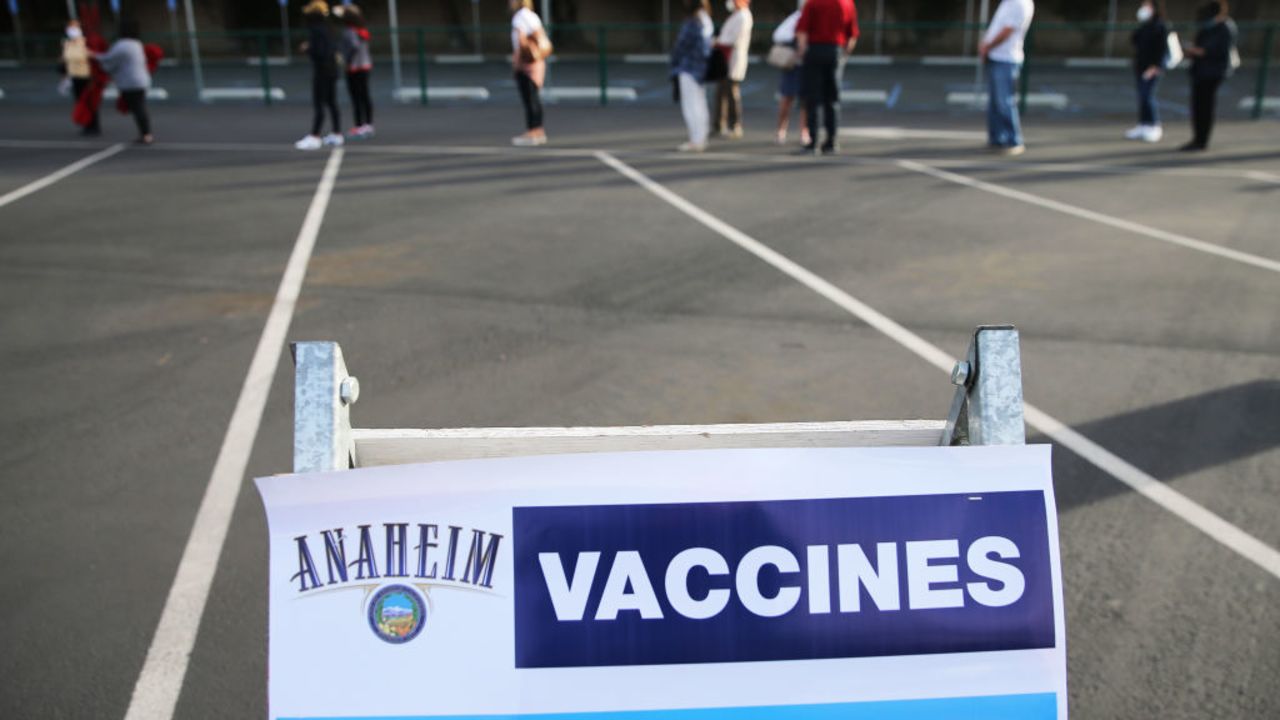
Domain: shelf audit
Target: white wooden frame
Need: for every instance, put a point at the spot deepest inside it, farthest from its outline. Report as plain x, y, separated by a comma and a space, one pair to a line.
986, 410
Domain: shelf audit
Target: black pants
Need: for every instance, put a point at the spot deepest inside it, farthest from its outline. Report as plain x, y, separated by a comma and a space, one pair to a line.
362, 104
136, 101
78, 86
1204, 98
821, 88
531, 96
324, 95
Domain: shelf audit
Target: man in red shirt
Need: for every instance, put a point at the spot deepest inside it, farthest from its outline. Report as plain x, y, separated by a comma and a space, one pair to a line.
827, 29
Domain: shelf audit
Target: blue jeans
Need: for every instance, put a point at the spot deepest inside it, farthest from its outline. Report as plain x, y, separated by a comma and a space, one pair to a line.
1148, 113
1003, 129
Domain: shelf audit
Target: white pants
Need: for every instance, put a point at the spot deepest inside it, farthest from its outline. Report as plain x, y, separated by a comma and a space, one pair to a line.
693, 103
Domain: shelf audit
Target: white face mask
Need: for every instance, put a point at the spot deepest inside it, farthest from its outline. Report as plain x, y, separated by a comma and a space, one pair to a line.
73, 33
728, 5
1145, 13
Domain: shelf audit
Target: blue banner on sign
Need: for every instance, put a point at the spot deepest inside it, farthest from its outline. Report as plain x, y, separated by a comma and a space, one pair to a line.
781, 580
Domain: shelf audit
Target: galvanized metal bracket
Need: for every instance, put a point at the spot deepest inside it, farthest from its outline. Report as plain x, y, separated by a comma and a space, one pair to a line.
987, 407
323, 394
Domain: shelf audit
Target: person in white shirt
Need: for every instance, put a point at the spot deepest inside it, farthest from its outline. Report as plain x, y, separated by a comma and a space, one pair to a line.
1001, 50
528, 60
735, 39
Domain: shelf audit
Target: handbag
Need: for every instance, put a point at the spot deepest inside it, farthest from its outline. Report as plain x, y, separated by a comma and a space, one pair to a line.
717, 65
535, 47
783, 57
1173, 55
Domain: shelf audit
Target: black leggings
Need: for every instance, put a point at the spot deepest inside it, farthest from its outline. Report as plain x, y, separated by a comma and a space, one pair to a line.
78, 86
136, 100
358, 86
324, 94
531, 96
1204, 96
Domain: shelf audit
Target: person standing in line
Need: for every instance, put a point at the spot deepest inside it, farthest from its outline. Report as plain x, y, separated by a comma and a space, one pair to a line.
323, 52
1213, 59
1150, 48
1002, 52
735, 40
826, 29
126, 62
529, 50
75, 61
790, 80
354, 46
688, 67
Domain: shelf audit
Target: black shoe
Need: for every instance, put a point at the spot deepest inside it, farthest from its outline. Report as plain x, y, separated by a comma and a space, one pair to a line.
1193, 146
810, 149
830, 149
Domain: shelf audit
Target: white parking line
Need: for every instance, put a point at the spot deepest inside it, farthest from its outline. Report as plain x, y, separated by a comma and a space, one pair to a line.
51, 178
1166, 497
1115, 222
156, 692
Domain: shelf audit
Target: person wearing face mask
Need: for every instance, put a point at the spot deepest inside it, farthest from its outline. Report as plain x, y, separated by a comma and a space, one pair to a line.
1213, 59
688, 67
735, 40
1150, 48
75, 60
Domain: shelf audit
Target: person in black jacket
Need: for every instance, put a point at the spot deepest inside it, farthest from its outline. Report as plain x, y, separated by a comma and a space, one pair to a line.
323, 51
1150, 49
1211, 63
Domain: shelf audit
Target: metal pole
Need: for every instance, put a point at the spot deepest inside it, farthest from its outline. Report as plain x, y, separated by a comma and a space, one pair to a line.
879, 23
1262, 72
197, 71
1025, 84
17, 33
977, 71
603, 39
666, 25
968, 20
1112, 17
174, 37
395, 46
422, 66
266, 68
284, 30
475, 22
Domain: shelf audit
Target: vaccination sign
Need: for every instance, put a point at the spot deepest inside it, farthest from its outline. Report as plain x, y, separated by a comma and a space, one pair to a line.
754, 584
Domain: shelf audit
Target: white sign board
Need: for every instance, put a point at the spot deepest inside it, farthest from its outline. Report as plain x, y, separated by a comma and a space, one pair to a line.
696, 585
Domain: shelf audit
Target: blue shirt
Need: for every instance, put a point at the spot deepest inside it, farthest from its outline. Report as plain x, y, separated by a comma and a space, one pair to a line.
693, 45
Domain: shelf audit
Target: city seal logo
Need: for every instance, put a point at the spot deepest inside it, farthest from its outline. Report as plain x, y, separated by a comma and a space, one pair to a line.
397, 614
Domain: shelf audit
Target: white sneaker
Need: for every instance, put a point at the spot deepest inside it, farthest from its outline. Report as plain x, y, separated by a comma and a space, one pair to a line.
1152, 134
1135, 133
529, 140
689, 147
310, 142
333, 140
366, 131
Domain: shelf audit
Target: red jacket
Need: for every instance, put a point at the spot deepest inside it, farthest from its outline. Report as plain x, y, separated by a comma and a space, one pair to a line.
829, 22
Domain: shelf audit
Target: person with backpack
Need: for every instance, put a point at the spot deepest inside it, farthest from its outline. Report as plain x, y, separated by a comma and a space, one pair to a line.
1213, 59
688, 68
529, 50
323, 52
354, 46
1150, 51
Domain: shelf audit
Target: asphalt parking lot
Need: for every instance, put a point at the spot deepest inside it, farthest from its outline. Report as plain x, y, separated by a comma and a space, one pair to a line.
473, 284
